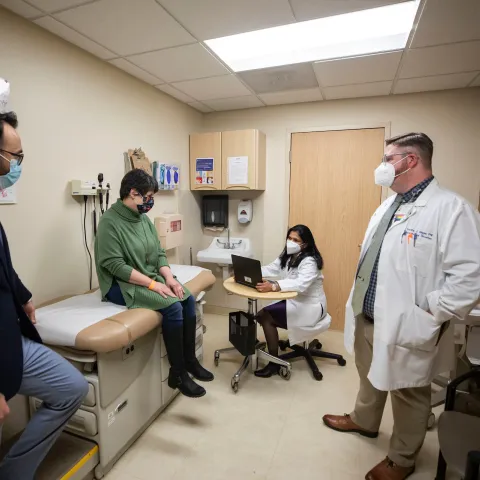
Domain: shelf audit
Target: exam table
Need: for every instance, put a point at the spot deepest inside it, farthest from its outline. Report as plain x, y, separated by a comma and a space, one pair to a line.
122, 356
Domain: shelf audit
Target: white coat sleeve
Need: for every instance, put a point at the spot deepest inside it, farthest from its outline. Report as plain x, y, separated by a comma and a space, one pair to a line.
307, 274
274, 270
460, 249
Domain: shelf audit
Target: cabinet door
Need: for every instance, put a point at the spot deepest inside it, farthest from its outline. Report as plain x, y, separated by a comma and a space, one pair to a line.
239, 156
206, 161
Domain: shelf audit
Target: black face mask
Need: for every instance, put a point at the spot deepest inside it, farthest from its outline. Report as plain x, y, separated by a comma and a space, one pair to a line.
146, 206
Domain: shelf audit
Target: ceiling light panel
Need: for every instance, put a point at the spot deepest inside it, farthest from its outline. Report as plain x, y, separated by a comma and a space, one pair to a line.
358, 33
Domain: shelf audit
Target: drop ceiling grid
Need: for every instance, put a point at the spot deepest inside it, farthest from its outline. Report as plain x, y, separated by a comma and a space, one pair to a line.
288, 11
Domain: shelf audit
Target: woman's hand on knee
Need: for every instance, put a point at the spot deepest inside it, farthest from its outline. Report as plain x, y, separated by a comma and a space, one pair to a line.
163, 290
176, 288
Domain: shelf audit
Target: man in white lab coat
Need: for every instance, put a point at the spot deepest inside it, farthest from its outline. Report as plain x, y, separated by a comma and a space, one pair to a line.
419, 270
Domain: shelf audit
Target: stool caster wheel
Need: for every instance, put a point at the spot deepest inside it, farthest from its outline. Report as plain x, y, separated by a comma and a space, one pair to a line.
234, 386
431, 421
318, 376
216, 359
315, 344
283, 344
285, 373
342, 362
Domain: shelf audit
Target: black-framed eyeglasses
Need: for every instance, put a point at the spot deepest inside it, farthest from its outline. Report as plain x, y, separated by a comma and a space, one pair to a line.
17, 156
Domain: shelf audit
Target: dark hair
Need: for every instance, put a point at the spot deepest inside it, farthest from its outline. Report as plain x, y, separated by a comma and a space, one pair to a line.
310, 249
11, 119
419, 140
139, 180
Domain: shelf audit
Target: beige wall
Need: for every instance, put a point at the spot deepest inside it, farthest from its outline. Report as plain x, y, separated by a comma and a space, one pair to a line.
77, 116
451, 118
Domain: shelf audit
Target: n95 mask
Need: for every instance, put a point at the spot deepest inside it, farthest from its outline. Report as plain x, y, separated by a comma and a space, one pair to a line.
292, 248
385, 173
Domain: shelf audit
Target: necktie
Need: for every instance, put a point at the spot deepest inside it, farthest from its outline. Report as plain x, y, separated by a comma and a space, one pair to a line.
365, 271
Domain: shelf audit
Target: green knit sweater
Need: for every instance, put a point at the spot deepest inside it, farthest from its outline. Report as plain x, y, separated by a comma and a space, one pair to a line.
127, 240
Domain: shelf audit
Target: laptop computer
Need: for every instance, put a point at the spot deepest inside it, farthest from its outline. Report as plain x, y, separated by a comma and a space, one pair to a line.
247, 271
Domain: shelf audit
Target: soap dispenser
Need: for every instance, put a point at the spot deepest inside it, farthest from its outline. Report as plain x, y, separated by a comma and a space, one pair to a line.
245, 210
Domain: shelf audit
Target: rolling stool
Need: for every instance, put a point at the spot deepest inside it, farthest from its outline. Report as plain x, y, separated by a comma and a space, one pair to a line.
309, 352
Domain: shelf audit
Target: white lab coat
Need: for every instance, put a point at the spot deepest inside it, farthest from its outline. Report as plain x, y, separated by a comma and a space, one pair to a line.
307, 313
429, 261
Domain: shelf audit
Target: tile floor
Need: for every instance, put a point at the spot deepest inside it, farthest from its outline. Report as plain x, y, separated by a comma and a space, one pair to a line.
270, 430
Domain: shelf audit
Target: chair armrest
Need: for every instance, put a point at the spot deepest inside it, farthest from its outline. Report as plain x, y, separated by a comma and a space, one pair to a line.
473, 465
454, 384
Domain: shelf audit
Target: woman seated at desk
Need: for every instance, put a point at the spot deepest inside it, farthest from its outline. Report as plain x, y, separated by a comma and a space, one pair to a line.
298, 269
133, 270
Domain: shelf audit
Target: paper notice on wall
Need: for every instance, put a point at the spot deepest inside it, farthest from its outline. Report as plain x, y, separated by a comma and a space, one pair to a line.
204, 171
9, 195
237, 170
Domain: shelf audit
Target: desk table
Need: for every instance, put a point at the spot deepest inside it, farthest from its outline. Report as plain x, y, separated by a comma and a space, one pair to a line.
253, 296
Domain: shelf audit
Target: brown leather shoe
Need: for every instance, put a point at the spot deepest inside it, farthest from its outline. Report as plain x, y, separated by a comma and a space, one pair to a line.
388, 470
343, 423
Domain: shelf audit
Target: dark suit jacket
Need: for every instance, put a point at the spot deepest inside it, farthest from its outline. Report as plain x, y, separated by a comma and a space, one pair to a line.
13, 323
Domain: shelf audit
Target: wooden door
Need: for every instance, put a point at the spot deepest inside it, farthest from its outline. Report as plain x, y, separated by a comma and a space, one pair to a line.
332, 191
206, 153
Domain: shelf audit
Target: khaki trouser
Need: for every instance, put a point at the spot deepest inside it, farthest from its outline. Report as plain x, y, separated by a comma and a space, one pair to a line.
411, 406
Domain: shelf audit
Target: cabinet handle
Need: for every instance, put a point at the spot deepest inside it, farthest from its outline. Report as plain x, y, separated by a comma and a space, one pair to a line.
239, 187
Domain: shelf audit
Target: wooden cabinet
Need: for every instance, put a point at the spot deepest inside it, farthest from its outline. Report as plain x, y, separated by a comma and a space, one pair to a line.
206, 155
239, 160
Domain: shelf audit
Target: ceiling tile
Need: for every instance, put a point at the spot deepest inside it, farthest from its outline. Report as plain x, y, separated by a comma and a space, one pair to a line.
226, 86
476, 82
310, 9
236, 103
136, 72
276, 79
200, 107
292, 96
180, 63
347, 71
54, 5
21, 8
127, 27
207, 19
173, 92
72, 36
440, 82
455, 58
448, 21
356, 91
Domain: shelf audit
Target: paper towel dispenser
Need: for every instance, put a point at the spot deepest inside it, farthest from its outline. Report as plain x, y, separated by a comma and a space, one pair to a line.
215, 211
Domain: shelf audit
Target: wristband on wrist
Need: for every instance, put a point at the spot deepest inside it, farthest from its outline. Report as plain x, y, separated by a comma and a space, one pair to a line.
152, 285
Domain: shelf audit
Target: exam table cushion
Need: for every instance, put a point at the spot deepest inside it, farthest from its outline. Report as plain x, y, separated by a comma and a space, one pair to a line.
85, 322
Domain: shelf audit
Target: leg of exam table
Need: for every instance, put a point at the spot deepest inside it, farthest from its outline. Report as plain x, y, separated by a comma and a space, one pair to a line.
62, 388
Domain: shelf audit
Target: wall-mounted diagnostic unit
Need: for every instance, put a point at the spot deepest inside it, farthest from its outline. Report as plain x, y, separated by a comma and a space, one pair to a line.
169, 230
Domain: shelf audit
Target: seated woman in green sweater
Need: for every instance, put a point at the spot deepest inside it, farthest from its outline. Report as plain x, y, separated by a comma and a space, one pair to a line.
133, 270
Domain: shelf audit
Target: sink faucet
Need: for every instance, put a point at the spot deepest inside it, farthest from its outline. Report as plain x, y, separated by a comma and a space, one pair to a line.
228, 238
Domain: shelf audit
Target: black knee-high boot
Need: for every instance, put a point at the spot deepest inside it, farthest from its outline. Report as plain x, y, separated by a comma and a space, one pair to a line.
178, 376
191, 362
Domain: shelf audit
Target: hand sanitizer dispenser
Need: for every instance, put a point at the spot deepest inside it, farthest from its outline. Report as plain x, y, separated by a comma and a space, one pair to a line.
245, 210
